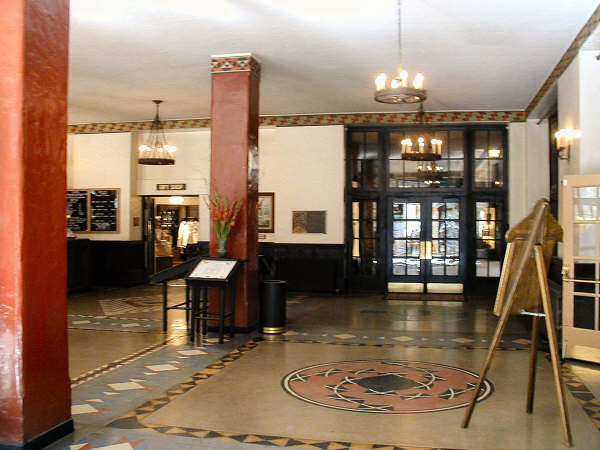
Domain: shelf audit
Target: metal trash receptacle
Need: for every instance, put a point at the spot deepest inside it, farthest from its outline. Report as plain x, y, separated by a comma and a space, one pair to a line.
272, 306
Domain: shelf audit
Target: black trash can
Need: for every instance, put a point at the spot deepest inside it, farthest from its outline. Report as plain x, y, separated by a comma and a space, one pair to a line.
272, 306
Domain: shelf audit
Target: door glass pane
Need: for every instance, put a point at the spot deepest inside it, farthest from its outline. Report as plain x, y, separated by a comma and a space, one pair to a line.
452, 229
399, 248
586, 239
364, 152
365, 242
437, 267
585, 203
488, 236
413, 248
413, 211
452, 267
413, 266
399, 266
584, 314
438, 229
437, 248
399, 229
452, 211
413, 229
452, 248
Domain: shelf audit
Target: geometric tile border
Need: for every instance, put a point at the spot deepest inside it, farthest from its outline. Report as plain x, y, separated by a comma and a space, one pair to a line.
421, 340
95, 373
582, 394
298, 120
134, 419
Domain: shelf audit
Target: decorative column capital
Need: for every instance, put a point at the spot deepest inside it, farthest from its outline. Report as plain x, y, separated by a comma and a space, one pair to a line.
242, 62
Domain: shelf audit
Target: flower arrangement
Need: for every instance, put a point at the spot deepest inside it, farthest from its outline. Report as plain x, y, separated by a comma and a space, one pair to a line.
223, 213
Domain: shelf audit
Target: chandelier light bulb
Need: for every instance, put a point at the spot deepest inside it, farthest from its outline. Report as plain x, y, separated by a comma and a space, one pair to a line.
380, 81
418, 81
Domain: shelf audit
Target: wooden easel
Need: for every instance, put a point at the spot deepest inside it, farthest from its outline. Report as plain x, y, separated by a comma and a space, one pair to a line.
522, 284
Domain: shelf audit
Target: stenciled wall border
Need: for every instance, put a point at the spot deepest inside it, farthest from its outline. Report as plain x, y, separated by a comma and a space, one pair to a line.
438, 117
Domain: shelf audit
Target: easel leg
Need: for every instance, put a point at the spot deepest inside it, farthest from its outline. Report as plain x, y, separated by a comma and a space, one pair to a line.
221, 314
488, 359
532, 363
233, 289
551, 330
164, 298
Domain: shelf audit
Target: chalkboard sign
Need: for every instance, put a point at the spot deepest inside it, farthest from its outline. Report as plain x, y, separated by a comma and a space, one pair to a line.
77, 210
104, 210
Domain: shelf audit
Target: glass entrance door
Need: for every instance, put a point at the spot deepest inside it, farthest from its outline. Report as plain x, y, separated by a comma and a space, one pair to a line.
424, 245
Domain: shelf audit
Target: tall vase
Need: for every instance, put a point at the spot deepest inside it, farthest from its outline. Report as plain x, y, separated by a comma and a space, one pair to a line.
222, 250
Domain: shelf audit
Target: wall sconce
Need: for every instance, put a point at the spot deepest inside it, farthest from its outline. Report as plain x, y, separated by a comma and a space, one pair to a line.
564, 138
494, 153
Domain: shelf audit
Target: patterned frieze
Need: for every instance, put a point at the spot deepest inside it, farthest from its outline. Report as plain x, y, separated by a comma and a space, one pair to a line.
439, 117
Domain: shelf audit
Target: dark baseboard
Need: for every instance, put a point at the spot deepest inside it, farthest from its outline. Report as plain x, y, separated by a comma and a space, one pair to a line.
44, 439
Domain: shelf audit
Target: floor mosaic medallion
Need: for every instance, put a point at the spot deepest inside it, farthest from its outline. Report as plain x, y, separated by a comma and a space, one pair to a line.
385, 387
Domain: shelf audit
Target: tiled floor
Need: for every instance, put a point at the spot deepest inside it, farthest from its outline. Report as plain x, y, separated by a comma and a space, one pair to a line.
135, 387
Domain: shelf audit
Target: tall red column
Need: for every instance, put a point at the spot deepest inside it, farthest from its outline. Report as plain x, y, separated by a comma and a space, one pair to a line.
35, 393
234, 167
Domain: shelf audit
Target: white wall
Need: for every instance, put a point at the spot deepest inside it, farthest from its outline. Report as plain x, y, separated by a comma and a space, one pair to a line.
528, 167
105, 161
304, 166
192, 165
568, 112
589, 112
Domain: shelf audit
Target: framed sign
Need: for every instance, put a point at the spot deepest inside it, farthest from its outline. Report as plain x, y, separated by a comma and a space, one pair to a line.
308, 221
215, 269
266, 212
104, 210
77, 210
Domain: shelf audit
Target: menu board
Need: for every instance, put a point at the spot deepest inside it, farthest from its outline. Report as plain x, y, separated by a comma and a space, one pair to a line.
104, 210
215, 269
77, 210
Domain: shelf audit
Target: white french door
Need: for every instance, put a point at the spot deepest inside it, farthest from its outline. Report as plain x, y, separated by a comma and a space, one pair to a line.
581, 267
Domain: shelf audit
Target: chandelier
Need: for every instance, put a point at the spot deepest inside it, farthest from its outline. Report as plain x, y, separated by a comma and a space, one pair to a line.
398, 89
156, 151
426, 146
430, 173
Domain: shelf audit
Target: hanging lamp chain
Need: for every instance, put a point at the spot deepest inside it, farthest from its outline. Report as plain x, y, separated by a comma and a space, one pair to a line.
399, 34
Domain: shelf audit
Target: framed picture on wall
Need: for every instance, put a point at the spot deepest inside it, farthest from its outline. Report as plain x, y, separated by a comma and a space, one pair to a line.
309, 221
266, 212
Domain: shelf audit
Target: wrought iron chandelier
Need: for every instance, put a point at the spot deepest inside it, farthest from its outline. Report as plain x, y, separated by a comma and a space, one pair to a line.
430, 173
156, 151
398, 89
426, 146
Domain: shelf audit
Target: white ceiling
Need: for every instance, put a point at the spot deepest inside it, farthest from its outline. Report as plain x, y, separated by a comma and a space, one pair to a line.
318, 56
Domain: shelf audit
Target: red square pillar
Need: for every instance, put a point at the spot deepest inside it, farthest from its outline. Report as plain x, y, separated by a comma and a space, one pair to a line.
35, 391
234, 167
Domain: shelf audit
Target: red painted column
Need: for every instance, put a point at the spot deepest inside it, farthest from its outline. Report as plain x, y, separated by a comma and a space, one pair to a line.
35, 393
234, 167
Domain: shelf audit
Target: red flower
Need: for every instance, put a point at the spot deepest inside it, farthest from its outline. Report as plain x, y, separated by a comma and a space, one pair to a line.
233, 223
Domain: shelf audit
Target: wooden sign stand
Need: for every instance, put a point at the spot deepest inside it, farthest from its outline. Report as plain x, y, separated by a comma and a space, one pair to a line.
521, 285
